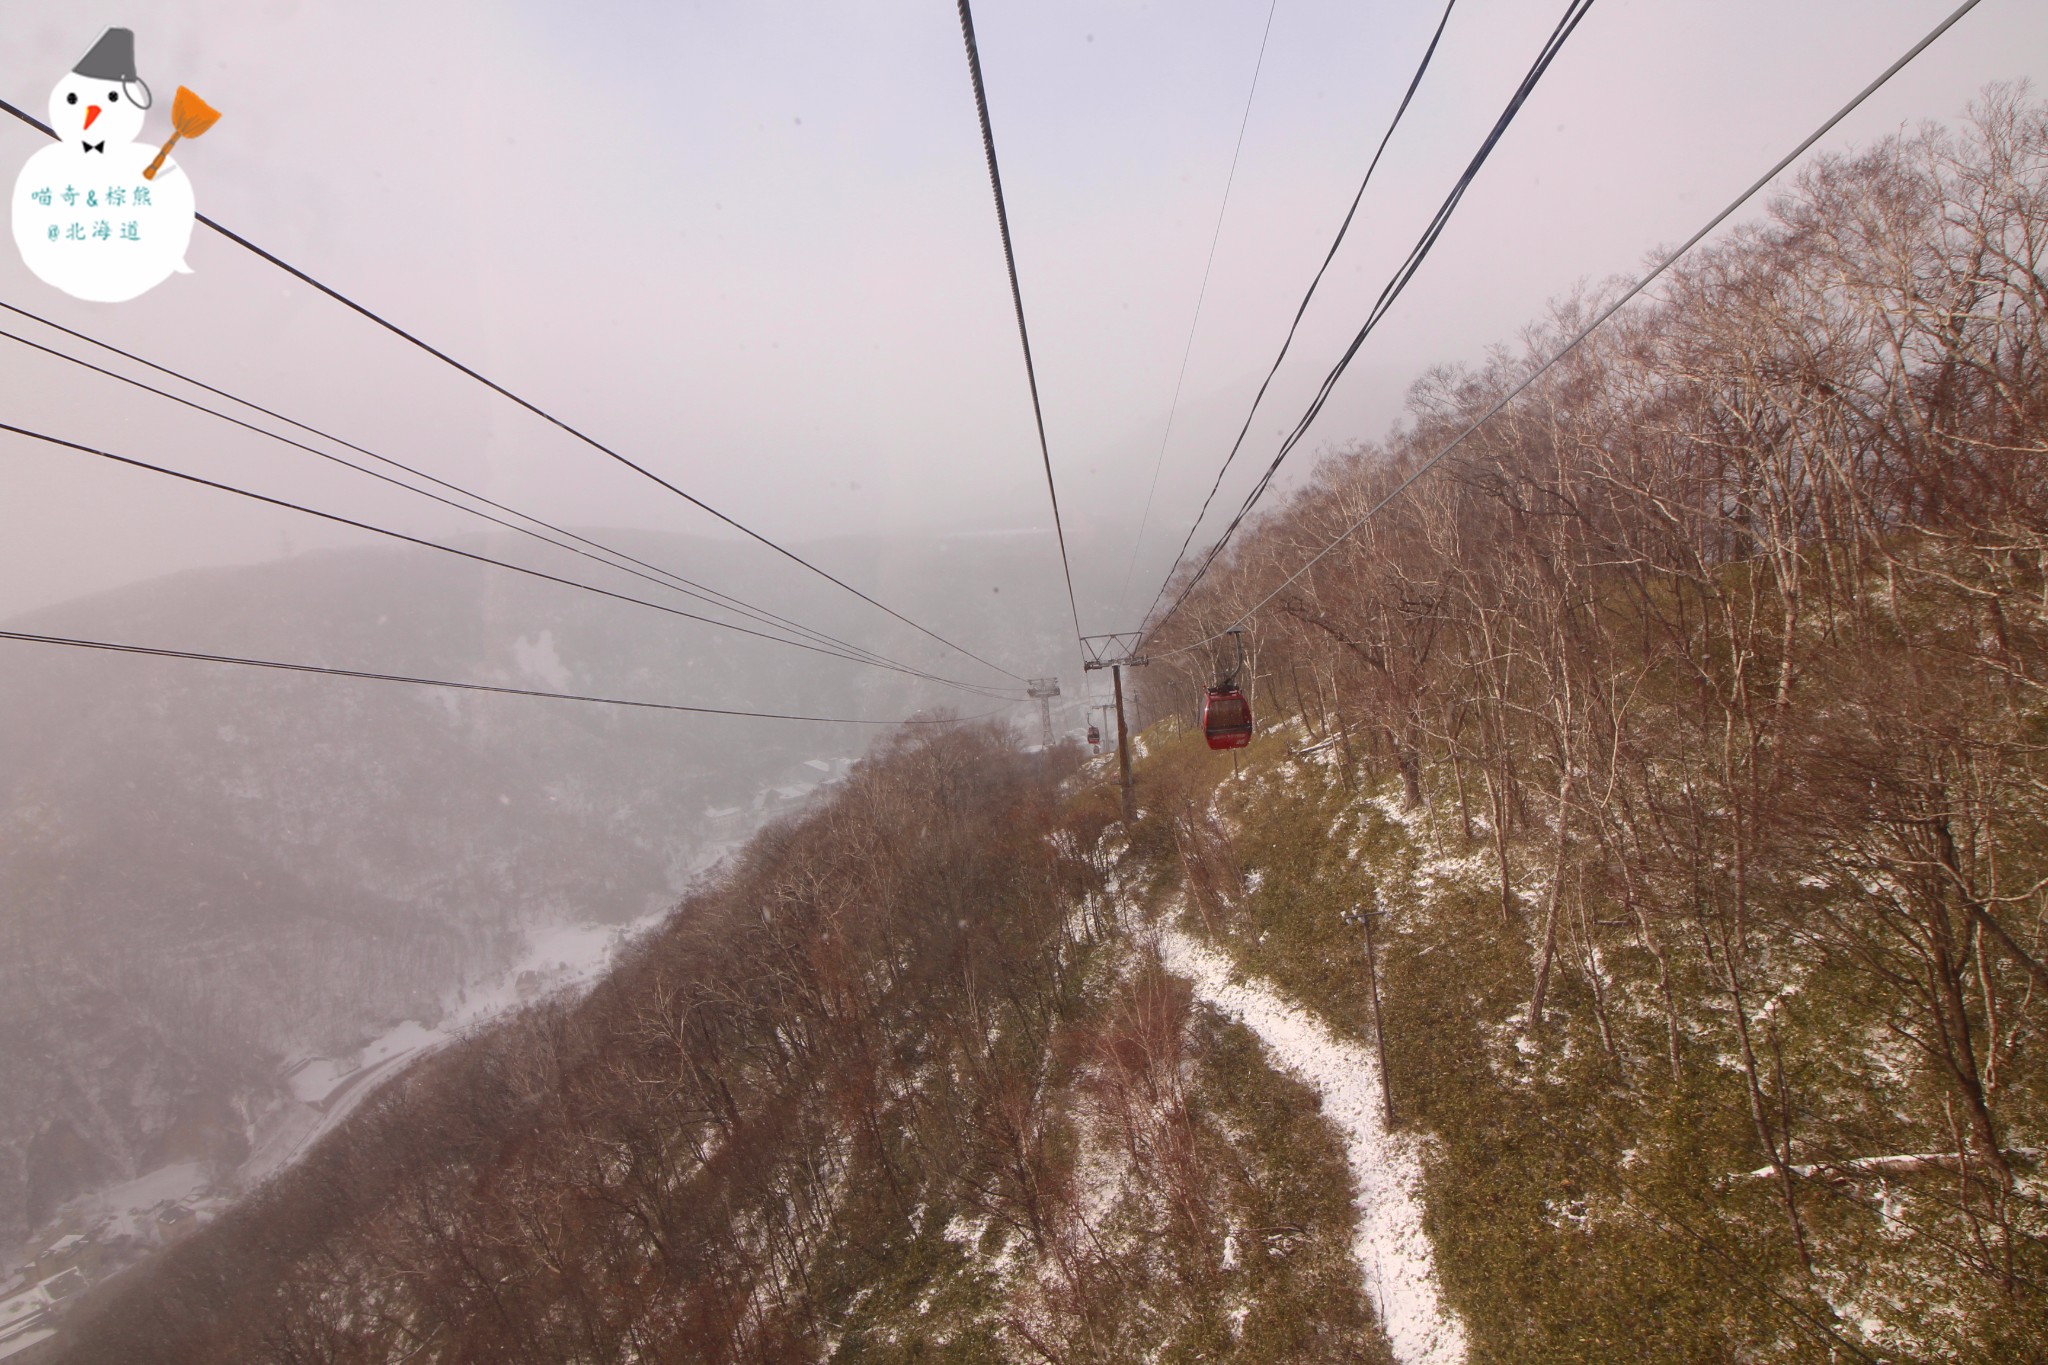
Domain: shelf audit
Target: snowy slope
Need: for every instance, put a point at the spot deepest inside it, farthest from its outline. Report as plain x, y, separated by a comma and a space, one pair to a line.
1394, 1256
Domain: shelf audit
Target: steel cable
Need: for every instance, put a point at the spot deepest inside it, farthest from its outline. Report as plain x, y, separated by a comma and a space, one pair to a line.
546, 416
1202, 293
829, 644
1604, 315
155, 652
1287, 342
995, 180
420, 541
1575, 11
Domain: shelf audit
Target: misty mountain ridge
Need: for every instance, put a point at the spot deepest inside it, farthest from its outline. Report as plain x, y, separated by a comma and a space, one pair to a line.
207, 870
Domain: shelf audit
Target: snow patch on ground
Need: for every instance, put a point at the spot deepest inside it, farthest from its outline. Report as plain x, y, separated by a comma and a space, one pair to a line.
1473, 869
129, 1209
1100, 1172
559, 959
1413, 819
1394, 1256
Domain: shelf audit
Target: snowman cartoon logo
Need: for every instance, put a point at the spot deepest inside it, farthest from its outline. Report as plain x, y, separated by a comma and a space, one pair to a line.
99, 215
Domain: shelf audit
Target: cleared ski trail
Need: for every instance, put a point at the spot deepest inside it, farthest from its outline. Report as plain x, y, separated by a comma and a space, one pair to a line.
1394, 1256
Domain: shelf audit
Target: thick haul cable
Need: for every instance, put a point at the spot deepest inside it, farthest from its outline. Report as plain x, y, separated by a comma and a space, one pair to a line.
151, 651
995, 180
1566, 26
1202, 293
420, 541
1766, 178
548, 417
668, 578
1287, 342
825, 644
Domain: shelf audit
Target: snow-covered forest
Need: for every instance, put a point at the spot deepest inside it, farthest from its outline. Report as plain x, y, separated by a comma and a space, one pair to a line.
1624, 939
1710, 676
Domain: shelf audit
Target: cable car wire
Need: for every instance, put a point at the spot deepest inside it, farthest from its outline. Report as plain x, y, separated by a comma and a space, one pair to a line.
338, 519
995, 180
826, 644
1287, 342
1194, 325
154, 652
677, 581
860, 658
549, 417
1575, 11
347, 464
1763, 180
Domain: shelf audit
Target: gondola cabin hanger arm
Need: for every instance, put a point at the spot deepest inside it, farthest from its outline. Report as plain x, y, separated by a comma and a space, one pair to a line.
1226, 714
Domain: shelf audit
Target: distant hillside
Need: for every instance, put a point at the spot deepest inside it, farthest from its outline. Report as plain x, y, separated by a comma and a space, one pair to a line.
1624, 939
205, 870
902, 1086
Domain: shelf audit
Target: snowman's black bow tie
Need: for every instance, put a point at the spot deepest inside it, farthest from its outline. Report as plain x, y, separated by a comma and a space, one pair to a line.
100, 146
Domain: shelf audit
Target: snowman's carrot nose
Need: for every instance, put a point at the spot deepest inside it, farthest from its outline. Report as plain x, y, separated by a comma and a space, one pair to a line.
92, 111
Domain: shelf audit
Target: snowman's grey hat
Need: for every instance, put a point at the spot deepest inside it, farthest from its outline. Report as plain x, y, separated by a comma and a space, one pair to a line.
113, 59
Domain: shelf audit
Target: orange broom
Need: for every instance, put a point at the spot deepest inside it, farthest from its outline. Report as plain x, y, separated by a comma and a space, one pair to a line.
190, 116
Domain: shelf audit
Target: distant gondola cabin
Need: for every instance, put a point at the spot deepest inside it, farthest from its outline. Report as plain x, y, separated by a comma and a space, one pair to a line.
1226, 718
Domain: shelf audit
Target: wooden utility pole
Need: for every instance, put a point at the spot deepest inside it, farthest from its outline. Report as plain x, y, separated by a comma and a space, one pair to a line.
1379, 1036
1123, 743
1115, 652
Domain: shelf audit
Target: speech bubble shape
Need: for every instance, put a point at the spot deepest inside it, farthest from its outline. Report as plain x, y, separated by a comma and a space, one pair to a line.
89, 224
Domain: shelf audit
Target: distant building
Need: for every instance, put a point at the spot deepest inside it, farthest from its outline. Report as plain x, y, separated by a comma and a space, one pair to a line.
24, 1312
65, 1253
28, 1332
63, 1285
727, 822
834, 769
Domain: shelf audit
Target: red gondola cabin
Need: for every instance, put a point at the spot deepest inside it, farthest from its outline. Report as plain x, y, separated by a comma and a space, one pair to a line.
1226, 718
1095, 735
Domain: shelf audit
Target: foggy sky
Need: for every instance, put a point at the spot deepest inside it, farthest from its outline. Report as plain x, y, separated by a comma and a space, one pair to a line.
752, 246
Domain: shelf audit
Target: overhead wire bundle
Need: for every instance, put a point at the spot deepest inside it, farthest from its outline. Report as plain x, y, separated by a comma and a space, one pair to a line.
607, 554
1574, 13
1287, 342
1202, 294
995, 180
424, 543
1635, 289
547, 416
819, 641
149, 651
